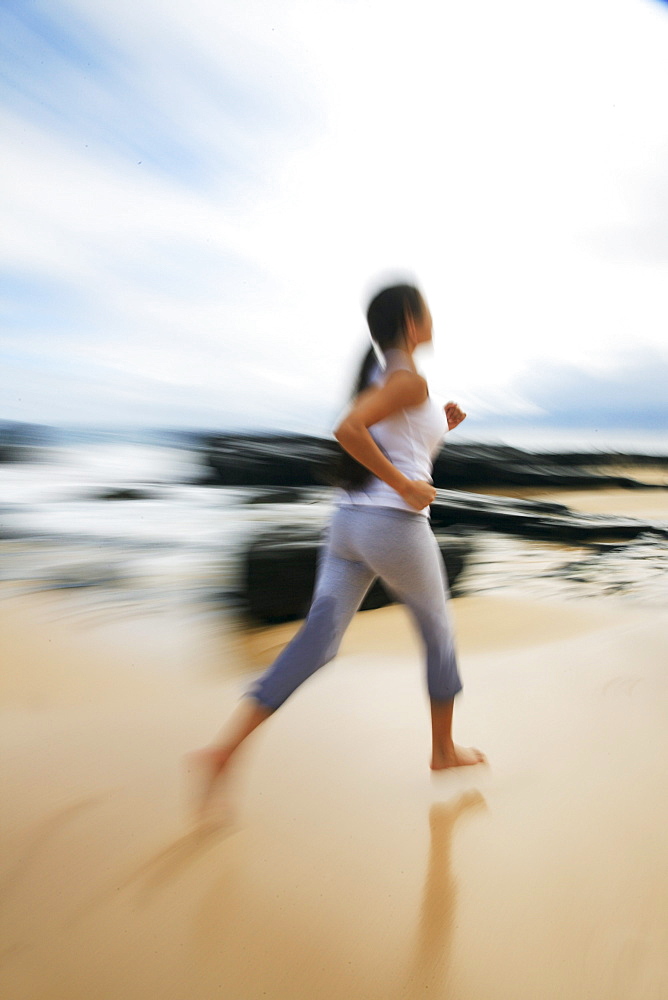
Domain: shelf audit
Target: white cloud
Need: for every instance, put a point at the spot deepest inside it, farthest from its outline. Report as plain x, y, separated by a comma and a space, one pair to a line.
482, 147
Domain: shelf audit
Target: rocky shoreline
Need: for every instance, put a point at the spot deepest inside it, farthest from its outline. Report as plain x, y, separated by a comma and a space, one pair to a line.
280, 565
302, 460
274, 556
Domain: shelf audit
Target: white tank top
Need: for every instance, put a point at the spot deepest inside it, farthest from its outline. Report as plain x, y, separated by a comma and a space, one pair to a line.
410, 439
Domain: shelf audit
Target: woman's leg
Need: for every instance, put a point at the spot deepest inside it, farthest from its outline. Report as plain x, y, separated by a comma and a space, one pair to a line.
444, 751
339, 591
410, 563
340, 588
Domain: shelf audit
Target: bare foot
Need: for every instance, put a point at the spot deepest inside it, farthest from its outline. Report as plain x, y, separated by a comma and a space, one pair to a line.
205, 768
456, 757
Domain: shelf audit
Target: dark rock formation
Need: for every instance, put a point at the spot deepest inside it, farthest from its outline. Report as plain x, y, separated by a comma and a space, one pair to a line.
278, 494
500, 465
267, 459
125, 493
281, 566
300, 460
20, 442
533, 519
596, 458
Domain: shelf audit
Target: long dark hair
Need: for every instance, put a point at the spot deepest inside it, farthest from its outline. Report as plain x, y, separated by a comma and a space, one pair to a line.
386, 316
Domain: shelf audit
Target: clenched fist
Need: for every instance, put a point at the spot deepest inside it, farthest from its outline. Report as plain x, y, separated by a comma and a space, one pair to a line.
454, 415
418, 493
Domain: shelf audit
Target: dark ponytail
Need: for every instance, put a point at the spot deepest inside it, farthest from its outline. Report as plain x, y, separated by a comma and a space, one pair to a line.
386, 317
369, 362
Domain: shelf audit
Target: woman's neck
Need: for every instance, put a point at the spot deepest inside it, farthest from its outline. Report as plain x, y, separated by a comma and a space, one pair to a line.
404, 350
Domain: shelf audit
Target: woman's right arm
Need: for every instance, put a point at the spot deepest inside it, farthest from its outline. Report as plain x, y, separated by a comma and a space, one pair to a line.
401, 390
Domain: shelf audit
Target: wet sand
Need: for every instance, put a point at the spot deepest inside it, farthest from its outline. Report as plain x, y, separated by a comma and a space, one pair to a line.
649, 503
348, 869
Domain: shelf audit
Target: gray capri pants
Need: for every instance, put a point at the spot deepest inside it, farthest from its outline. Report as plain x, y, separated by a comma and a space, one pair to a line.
362, 544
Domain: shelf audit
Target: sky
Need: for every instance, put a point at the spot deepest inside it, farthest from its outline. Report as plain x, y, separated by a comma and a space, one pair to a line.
197, 200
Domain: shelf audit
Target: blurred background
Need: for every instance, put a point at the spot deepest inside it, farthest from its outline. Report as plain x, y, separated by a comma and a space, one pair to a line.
197, 201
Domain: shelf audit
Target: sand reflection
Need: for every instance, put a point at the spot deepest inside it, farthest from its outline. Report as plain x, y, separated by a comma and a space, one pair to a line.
277, 924
430, 965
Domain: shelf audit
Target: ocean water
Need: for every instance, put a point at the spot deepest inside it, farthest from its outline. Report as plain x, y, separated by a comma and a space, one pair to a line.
178, 541
181, 543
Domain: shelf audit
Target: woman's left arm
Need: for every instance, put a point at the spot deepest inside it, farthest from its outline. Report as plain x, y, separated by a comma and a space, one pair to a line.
454, 415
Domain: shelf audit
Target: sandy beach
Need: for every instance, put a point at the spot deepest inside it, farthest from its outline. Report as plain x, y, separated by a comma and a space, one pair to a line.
348, 869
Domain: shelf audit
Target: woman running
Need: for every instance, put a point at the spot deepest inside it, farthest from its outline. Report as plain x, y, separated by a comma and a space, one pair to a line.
380, 529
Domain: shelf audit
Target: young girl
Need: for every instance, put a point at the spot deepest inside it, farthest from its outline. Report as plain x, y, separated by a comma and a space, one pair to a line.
380, 529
